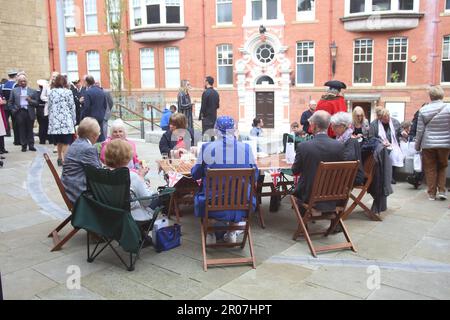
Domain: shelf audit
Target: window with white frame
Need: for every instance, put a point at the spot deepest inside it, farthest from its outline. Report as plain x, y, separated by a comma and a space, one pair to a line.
446, 60
381, 6
69, 16
172, 66
137, 15
164, 11
72, 66
90, 16
306, 9
397, 59
362, 61
93, 64
305, 62
224, 9
147, 68
115, 69
114, 14
225, 64
264, 9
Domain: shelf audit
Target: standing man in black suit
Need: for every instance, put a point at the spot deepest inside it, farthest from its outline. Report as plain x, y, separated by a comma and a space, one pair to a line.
210, 104
95, 104
311, 153
78, 91
22, 104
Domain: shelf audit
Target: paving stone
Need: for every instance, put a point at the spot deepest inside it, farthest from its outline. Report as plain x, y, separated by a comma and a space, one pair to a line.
399, 226
61, 292
221, 296
24, 284
441, 229
390, 293
20, 221
434, 249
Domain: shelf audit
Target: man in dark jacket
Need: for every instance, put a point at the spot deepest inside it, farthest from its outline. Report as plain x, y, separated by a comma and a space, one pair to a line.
210, 104
78, 91
95, 104
311, 153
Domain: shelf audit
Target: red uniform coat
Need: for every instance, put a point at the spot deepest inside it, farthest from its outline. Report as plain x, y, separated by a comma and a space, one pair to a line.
332, 104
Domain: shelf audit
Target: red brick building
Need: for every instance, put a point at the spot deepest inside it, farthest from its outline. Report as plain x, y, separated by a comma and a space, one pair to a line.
386, 51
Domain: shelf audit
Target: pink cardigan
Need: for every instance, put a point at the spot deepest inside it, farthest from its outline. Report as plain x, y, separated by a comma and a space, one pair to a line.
133, 161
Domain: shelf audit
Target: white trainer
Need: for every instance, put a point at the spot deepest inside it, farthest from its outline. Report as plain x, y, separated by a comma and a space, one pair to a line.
230, 237
442, 196
211, 238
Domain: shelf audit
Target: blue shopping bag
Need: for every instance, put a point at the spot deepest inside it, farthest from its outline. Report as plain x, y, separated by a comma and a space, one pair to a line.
168, 238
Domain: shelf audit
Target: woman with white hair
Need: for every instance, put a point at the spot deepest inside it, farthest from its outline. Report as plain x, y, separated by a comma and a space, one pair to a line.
118, 131
341, 124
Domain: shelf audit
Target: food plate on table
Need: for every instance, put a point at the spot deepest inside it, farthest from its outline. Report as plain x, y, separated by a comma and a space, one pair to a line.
262, 155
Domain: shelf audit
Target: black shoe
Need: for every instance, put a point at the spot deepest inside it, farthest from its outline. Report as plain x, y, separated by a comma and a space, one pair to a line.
24, 149
1, 164
4, 151
393, 181
16, 143
2, 158
32, 148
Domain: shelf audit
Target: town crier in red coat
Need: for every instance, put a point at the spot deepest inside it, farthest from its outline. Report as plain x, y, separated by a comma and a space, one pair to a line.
333, 102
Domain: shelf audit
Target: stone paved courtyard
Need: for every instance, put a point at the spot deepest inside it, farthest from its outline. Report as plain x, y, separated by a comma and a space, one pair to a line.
410, 249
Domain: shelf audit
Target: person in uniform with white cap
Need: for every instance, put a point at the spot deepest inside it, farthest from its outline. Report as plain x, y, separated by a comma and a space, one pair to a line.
42, 118
333, 102
6, 93
306, 115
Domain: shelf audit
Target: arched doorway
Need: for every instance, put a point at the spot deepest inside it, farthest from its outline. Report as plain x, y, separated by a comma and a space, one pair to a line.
265, 101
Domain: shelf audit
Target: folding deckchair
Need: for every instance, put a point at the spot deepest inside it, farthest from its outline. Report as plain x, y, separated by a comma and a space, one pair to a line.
57, 241
104, 208
228, 190
369, 168
333, 182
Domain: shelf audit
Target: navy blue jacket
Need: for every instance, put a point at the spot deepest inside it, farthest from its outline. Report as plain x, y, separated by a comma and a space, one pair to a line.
94, 104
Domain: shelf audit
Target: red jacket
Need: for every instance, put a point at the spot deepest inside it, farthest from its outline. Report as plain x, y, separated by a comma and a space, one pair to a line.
332, 105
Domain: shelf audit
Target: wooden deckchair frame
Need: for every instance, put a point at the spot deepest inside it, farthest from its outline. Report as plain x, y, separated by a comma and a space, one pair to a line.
57, 241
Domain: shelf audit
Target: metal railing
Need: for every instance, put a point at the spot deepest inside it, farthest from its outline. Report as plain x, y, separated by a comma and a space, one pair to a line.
128, 115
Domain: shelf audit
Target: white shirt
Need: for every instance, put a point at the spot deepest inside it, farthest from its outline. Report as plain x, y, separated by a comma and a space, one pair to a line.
23, 95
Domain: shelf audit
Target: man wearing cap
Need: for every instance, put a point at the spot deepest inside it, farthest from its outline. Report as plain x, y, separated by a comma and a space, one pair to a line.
209, 106
6, 93
307, 114
77, 91
225, 152
22, 104
333, 102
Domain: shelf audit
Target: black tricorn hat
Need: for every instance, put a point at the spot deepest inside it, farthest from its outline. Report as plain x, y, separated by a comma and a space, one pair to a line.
335, 84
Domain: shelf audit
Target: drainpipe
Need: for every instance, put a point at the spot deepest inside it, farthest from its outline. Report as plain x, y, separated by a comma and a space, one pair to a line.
330, 38
204, 38
51, 48
435, 54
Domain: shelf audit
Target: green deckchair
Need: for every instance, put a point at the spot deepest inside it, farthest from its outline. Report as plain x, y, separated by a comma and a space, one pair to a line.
104, 209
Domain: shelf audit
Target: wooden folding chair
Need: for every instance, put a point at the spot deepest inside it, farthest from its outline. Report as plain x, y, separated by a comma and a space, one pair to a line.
57, 241
333, 182
228, 189
369, 168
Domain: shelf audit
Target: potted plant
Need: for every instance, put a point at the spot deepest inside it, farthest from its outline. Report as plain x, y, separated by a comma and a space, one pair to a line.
395, 76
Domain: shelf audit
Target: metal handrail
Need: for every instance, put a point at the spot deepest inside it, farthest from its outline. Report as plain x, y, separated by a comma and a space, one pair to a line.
140, 117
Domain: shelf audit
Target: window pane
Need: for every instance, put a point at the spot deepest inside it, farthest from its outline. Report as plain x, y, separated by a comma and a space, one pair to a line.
447, 5
226, 75
224, 12
91, 23
272, 9
406, 5
381, 5
305, 73
256, 9
357, 6
173, 14
153, 15
305, 5
147, 68
396, 72
172, 64
445, 71
363, 73
446, 49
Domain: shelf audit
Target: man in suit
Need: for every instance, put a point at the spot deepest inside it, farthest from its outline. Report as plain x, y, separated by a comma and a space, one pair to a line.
78, 91
95, 104
81, 152
6, 89
209, 106
311, 153
22, 104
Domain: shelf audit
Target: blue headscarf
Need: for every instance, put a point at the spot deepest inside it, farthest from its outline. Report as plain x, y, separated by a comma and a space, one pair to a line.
225, 124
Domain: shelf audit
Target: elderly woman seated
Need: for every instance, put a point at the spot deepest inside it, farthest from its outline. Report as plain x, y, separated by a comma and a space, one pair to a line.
341, 123
177, 140
118, 131
118, 154
224, 153
80, 153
